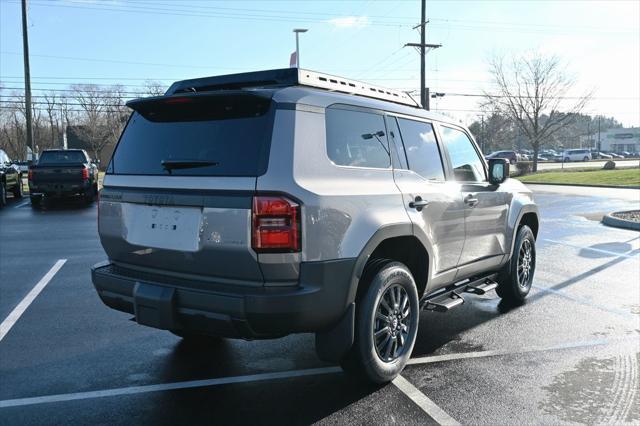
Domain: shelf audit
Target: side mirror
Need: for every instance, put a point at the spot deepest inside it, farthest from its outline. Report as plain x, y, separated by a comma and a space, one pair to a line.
498, 170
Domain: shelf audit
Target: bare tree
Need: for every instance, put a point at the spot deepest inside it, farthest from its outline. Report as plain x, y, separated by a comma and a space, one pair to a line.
533, 92
154, 88
93, 102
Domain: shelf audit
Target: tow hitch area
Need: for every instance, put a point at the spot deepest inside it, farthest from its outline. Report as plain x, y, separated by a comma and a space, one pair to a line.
450, 297
154, 306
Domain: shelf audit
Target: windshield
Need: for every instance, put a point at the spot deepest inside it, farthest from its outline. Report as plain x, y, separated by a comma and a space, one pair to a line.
214, 136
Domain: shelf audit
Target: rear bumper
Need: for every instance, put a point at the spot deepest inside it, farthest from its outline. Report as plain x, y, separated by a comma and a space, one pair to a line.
317, 303
59, 189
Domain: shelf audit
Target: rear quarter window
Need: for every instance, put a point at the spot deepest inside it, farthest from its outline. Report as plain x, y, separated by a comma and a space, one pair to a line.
356, 138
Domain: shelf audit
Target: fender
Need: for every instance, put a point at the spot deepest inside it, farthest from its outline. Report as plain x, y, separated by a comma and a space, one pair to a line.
387, 231
514, 220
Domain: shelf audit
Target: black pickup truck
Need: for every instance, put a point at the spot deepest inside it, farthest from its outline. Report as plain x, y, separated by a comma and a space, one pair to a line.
10, 179
63, 173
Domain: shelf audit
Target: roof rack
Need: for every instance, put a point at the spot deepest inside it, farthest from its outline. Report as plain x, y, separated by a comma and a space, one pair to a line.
291, 77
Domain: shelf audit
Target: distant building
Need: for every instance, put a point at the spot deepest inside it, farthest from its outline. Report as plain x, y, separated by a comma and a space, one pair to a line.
614, 140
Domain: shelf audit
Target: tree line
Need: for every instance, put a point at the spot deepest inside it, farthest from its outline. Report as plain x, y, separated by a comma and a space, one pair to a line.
97, 113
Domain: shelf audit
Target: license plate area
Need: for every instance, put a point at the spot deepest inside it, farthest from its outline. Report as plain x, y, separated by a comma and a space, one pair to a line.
171, 228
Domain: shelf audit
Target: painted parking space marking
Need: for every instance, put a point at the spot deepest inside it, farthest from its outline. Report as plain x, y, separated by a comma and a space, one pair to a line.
425, 404
251, 378
607, 252
17, 312
23, 204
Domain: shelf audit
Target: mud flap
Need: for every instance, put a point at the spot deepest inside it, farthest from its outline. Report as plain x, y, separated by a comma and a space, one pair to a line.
332, 345
153, 306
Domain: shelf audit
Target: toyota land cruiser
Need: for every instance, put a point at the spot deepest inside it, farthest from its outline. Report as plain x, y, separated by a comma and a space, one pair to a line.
261, 204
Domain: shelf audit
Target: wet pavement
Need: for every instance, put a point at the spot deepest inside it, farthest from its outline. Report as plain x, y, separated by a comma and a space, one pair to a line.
569, 355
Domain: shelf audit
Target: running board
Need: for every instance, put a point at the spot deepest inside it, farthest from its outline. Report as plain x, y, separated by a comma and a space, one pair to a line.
450, 297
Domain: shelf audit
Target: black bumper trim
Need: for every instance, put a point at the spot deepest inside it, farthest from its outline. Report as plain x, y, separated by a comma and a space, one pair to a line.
317, 303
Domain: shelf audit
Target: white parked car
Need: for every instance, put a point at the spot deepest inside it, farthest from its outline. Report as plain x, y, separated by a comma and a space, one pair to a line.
576, 155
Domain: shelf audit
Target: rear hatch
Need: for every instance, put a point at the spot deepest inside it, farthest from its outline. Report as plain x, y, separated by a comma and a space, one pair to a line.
59, 167
178, 191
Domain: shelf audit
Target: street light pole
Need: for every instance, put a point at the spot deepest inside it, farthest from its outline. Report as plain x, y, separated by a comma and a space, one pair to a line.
298, 31
27, 80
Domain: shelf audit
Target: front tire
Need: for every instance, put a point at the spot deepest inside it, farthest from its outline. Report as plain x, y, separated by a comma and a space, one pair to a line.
516, 278
387, 315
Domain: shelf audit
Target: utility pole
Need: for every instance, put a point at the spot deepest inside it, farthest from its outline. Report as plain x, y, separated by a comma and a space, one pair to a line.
298, 31
599, 146
27, 80
423, 45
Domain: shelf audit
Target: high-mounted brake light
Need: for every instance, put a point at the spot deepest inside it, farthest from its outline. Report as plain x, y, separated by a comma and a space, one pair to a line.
178, 100
276, 224
85, 174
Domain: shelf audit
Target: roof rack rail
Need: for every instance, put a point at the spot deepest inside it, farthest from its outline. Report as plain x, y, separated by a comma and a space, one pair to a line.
291, 77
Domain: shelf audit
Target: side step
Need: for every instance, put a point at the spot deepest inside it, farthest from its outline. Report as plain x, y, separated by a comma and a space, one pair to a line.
450, 297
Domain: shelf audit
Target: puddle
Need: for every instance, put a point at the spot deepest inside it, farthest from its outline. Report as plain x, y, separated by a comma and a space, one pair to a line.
596, 391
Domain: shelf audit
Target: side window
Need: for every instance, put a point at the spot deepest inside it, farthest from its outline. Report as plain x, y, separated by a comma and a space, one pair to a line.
356, 138
422, 150
397, 150
467, 165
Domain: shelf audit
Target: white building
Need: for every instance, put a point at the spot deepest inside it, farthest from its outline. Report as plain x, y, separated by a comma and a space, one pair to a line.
614, 140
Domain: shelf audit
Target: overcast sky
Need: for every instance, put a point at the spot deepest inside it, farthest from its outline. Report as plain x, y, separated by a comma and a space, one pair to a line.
129, 41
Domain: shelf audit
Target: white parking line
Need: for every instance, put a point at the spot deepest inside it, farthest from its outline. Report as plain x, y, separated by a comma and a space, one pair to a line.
607, 252
17, 312
282, 375
24, 203
167, 387
425, 404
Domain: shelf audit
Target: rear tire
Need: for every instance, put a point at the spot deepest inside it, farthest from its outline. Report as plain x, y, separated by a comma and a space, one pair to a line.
386, 325
17, 191
585, 159
567, 160
516, 277
3, 195
36, 202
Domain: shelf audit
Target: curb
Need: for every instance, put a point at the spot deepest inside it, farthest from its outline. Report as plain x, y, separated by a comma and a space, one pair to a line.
582, 185
610, 220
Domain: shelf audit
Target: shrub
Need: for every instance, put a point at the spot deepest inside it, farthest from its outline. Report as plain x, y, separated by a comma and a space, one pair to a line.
524, 167
609, 165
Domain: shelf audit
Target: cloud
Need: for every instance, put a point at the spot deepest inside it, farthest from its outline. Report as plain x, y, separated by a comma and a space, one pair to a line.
349, 22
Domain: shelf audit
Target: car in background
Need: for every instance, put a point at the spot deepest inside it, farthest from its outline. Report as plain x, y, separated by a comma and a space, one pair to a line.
10, 181
615, 155
23, 166
512, 156
576, 155
63, 173
601, 155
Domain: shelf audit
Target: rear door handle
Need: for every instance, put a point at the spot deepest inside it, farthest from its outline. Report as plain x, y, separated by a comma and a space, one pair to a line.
471, 200
418, 203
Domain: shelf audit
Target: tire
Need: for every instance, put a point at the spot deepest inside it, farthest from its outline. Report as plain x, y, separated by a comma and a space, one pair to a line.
3, 195
585, 159
380, 359
36, 202
567, 160
90, 196
17, 191
515, 279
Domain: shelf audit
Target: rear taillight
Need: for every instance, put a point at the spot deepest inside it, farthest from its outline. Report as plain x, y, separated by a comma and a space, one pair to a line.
276, 224
30, 174
85, 174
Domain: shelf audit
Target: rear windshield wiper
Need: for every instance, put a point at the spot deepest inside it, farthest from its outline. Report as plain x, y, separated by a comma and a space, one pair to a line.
169, 165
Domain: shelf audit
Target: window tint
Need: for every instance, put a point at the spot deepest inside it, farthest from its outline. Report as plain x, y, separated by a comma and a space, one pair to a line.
467, 165
356, 138
422, 150
62, 157
227, 136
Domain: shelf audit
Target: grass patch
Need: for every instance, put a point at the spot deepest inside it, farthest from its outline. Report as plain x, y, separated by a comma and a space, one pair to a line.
621, 177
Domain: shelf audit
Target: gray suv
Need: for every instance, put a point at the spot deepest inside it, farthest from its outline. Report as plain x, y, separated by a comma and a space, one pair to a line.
262, 204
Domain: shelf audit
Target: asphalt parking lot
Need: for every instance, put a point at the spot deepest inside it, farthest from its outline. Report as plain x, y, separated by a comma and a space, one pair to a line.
570, 354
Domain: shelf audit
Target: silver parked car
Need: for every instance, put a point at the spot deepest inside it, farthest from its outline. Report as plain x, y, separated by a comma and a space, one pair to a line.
288, 201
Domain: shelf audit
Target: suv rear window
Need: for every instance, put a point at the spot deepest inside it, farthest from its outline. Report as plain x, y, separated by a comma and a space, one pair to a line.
210, 135
62, 157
